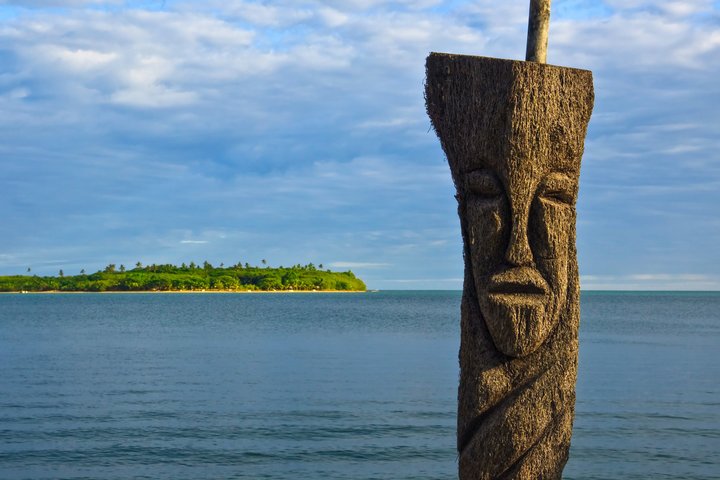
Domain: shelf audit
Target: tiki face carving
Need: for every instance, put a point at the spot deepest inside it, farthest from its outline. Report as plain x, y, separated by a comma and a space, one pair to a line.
513, 134
520, 218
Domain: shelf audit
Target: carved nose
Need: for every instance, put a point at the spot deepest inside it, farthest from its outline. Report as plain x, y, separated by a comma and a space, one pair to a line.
518, 252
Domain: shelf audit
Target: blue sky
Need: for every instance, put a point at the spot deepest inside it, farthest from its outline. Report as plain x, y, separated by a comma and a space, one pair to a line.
295, 131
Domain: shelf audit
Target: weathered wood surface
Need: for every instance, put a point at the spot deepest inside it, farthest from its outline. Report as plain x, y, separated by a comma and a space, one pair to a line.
513, 133
538, 29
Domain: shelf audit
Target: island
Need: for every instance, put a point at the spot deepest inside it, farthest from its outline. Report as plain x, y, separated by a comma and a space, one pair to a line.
190, 278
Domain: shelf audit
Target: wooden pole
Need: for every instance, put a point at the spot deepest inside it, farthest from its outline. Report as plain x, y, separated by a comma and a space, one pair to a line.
538, 27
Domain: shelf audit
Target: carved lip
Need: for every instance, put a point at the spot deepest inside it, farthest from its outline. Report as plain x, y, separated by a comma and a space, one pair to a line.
519, 281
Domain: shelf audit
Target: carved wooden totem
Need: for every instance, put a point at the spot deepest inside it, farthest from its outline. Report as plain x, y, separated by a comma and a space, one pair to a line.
513, 133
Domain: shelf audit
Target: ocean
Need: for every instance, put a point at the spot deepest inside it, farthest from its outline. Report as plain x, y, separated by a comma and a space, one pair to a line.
335, 386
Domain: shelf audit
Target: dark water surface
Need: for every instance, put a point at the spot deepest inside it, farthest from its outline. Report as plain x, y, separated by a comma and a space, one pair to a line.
335, 386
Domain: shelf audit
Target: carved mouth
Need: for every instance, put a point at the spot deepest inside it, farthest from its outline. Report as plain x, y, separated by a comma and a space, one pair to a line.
510, 288
518, 282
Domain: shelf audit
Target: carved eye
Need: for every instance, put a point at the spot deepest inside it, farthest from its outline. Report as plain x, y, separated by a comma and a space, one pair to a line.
558, 196
483, 184
558, 188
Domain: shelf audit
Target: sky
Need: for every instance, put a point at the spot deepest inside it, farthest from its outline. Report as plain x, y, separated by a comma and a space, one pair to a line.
295, 131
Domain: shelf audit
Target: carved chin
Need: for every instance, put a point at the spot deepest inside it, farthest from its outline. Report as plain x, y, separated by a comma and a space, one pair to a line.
518, 323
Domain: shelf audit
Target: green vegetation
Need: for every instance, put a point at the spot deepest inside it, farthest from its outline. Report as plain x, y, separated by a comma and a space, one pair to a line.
190, 277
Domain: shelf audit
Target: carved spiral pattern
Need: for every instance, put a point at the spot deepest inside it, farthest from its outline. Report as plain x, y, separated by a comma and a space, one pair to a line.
515, 414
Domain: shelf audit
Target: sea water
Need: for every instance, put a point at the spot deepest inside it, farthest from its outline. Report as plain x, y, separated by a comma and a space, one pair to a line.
335, 386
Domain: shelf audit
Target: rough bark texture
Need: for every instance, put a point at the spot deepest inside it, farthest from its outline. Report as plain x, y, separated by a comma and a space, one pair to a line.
513, 133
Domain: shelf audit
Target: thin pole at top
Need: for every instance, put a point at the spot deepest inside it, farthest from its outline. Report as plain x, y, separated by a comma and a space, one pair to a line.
538, 27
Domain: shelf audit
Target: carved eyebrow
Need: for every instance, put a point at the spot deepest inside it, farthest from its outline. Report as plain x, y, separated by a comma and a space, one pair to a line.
483, 183
559, 186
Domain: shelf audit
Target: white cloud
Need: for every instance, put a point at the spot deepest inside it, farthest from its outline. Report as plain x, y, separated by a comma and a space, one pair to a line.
671, 7
79, 60
684, 8
333, 18
266, 15
61, 3
152, 96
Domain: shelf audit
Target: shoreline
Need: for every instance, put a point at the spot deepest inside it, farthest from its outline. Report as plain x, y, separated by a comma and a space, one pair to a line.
183, 291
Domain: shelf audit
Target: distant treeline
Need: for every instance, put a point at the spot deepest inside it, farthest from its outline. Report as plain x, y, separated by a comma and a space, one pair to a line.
188, 277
